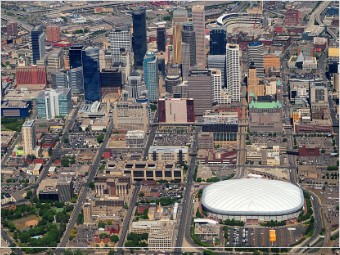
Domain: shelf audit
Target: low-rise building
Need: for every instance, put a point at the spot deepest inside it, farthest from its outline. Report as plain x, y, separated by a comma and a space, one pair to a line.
135, 139
169, 153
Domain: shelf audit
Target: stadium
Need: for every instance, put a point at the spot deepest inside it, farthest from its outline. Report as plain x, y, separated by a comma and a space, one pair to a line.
256, 199
239, 19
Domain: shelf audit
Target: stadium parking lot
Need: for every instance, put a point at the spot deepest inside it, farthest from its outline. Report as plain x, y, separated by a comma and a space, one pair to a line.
259, 236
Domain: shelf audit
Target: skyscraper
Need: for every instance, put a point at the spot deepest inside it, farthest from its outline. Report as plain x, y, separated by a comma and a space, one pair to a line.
38, 43
198, 20
233, 71
76, 80
136, 86
139, 36
54, 103
59, 79
219, 62
189, 37
199, 88
52, 33
179, 16
75, 55
219, 94
161, 38
90, 59
255, 54
151, 75
253, 86
120, 39
185, 60
28, 136
218, 41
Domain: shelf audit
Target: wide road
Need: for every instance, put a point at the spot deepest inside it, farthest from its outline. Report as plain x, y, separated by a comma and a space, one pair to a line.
186, 206
68, 126
11, 242
10, 149
85, 189
127, 219
316, 14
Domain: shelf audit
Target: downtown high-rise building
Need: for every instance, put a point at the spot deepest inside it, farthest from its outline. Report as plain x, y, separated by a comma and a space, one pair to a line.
37, 43
28, 136
255, 52
185, 60
139, 36
233, 71
120, 40
199, 88
75, 55
135, 87
219, 93
52, 33
76, 80
179, 16
218, 41
198, 20
90, 61
189, 37
161, 38
218, 62
150, 68
59, 79
54, 103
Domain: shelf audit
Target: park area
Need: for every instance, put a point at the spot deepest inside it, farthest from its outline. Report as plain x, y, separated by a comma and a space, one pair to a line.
26, 222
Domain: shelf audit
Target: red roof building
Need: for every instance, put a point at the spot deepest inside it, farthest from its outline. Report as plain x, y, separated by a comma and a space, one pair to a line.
309, 152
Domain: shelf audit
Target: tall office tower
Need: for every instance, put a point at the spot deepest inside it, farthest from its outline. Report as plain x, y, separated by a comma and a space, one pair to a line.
185, 60
28, 136
111, 80
76, 80
199, 88
179, 16
151, 75
59, 79
219, 94
120, 39
171, 81
90, 57
161, 38
233, 71
54, 103
254, 88
189, 37
12, 28
139, 36
136, 86
255, 54
52, 33
55, 59
218, 41
75, 55
38, 43
198, 20
218, 61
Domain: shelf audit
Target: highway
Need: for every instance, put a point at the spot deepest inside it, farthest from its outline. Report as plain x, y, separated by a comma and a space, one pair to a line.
186, 214
316, 14
85, 189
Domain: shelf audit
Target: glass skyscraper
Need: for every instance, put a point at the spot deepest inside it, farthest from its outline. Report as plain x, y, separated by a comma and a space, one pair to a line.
90, 59
75, 55
139, 36
218, 41
38, 43
151, 75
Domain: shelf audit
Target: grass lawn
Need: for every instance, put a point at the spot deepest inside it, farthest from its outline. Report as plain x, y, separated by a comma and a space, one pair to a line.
26, 222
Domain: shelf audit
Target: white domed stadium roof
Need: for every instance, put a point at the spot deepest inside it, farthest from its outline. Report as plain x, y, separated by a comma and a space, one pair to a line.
257, 197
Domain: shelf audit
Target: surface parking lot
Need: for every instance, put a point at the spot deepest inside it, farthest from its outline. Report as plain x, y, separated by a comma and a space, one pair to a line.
259, 236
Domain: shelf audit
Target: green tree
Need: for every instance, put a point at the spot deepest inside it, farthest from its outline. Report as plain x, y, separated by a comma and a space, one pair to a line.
100, 138
114, 238
80, 218
91, 185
